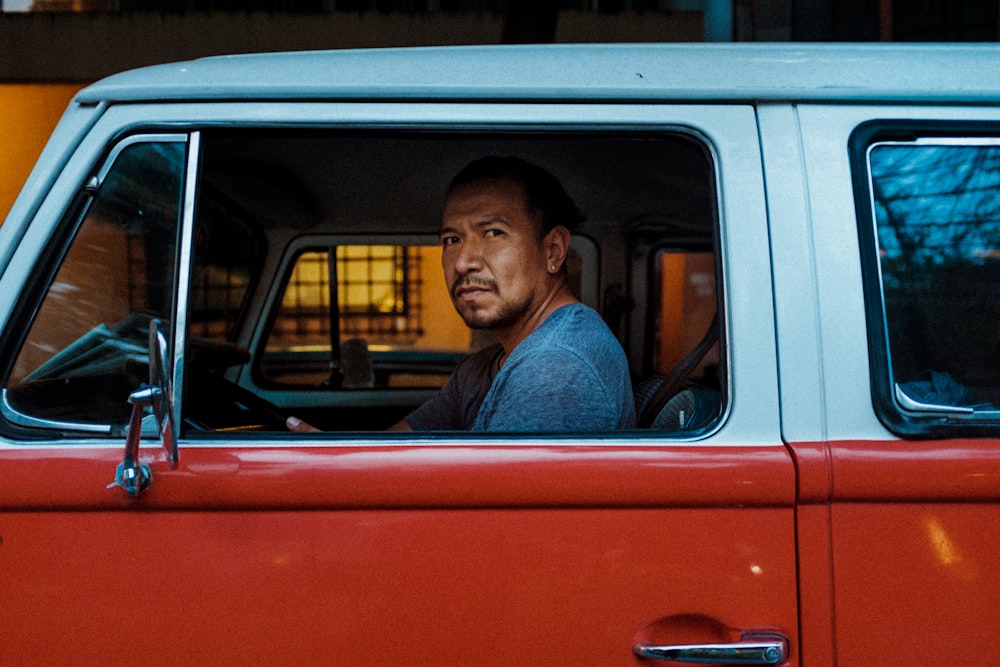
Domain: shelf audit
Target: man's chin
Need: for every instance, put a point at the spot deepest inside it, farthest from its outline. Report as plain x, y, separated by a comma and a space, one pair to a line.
479, 321
477, 318
493, 316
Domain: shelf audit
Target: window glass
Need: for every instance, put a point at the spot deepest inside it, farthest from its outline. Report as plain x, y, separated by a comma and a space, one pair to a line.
936, 205
87, 346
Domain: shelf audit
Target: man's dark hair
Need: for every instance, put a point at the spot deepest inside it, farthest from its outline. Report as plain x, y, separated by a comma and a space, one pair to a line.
544, 193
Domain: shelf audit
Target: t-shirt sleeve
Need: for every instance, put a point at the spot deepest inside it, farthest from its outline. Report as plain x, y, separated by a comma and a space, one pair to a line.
440, 412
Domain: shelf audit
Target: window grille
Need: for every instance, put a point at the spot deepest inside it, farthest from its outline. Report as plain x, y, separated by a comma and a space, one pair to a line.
377, 297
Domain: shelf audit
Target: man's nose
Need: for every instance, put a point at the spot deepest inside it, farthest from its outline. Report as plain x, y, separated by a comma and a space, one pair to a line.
469, 258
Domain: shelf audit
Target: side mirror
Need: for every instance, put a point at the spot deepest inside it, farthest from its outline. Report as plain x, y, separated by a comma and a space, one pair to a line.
131, 475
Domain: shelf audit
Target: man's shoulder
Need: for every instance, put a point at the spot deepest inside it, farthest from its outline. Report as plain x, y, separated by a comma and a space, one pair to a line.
576, 326
573, 334
572, 318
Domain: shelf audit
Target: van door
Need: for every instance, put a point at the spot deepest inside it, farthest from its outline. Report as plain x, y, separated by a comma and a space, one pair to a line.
904, 462
360, 546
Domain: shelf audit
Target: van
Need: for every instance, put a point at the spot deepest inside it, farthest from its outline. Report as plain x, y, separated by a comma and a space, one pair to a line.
800, 242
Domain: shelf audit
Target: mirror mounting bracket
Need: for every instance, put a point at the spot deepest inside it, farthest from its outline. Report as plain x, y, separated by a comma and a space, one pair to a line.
132, 476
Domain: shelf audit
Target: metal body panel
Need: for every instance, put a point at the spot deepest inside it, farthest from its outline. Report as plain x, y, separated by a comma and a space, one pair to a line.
481, 554
600, 72
902, 531
492, 549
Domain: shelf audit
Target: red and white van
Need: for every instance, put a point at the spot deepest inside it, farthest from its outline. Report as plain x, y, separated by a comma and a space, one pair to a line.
208, 247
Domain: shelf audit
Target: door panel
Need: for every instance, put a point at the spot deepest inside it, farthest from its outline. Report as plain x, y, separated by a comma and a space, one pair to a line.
427, 555
915, 528
368, 548
911, 516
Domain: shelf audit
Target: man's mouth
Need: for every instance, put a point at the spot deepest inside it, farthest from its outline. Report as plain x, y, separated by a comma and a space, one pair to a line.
468, 289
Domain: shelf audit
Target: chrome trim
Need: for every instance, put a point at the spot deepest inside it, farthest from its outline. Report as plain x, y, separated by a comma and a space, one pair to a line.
769, 651
21, 419
906, 402
96, 182
131, 476
181, 298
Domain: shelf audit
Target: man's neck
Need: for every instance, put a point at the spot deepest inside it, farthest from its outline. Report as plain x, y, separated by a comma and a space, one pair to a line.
559, 296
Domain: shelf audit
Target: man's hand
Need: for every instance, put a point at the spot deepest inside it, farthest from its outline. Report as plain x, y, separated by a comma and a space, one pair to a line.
298, 426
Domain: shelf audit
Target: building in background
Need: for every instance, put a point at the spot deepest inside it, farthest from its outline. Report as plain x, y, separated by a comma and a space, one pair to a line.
51, 48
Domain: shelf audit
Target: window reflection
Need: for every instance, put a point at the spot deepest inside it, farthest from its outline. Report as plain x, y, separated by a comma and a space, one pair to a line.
937, 211
87, 347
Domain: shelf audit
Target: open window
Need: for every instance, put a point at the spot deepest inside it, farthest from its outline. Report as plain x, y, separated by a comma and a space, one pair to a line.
309, 276
353, 327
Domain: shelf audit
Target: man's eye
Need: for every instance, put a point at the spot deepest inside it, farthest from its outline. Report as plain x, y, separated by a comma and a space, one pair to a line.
494, 232
449, 240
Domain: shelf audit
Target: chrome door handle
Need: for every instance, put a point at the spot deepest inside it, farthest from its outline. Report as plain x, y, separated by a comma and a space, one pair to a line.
750, 650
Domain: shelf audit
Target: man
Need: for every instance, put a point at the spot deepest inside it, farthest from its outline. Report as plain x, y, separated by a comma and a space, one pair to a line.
505, 235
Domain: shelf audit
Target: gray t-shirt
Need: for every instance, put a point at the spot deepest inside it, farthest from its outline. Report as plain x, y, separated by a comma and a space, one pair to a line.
569, 374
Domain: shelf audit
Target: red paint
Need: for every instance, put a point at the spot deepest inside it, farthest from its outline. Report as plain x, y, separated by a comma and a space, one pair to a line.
898, 555
406, 555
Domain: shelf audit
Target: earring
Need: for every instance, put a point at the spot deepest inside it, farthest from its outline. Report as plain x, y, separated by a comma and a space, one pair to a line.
552, 268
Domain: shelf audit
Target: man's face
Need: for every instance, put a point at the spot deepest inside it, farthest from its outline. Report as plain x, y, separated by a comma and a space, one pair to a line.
494, 263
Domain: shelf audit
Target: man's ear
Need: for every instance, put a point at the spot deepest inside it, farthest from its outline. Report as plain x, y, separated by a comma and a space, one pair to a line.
556, 244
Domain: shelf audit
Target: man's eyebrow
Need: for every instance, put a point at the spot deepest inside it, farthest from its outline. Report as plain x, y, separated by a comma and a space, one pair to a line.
492, 220
485, 222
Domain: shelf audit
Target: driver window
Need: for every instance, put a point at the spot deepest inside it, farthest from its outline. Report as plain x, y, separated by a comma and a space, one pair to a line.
86, 349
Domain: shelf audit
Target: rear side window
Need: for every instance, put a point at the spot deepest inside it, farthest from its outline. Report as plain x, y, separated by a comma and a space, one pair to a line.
932, 219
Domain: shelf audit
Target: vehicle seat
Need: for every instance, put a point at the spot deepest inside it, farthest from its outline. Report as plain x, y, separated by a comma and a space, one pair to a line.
671, 401
690, 408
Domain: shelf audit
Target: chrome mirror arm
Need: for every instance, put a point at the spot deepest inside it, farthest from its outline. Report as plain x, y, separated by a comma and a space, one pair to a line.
132, 476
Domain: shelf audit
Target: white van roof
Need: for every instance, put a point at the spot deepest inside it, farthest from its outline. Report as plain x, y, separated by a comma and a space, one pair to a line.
621, 72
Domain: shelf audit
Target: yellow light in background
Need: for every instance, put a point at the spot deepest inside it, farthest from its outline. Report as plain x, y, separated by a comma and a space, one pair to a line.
28, 114
368, 278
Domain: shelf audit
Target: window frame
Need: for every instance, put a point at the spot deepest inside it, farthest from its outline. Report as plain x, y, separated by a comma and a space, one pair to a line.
899, 413
719, 131
285, 397
50, 261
